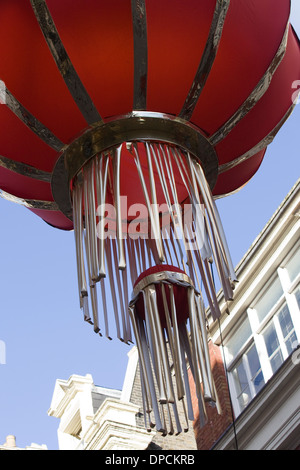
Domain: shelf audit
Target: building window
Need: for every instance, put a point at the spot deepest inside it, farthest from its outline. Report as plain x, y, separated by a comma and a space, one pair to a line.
268, 333
269, 299
248, 377
280, 337
297, 296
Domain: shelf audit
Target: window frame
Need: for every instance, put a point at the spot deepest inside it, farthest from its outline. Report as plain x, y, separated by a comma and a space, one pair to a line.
257, 327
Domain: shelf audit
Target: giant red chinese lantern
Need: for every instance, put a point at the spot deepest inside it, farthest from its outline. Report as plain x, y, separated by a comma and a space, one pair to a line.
123, 120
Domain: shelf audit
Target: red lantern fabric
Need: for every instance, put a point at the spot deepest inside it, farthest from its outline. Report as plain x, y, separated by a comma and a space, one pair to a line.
99, 40
100, 100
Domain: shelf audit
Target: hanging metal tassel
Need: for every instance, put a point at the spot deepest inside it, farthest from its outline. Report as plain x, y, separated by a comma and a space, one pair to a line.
189, 237
168, 346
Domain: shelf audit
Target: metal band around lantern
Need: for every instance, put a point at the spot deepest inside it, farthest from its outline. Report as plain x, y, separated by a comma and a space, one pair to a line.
137, 126
180, 279
29, 203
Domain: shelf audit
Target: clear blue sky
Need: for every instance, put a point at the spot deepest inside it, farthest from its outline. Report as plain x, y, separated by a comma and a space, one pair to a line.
40, 320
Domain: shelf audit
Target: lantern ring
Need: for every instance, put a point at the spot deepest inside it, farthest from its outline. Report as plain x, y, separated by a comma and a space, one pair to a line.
137, 126
163, 276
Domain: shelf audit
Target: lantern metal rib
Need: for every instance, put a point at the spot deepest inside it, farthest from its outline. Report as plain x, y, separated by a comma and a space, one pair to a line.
63, 62
25, 170
29, 203
140, 44
207, 59
32, 122
256, 94
257, 148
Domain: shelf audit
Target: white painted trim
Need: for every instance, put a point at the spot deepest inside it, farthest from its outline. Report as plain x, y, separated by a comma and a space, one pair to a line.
130, 374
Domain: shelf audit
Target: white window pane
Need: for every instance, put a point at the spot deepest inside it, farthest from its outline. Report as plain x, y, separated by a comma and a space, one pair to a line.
271, 339
258, 381
276, 360
255, 369
297, 295
287, 328
285, 321
293, 266
291, 342
273, 347
269, 299
248, 377
238, 339
241, 385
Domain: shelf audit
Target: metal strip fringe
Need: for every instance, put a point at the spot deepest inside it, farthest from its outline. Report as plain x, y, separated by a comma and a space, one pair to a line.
115, 263
165, 353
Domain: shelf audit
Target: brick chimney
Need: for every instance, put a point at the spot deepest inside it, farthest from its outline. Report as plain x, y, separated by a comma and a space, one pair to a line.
10, 441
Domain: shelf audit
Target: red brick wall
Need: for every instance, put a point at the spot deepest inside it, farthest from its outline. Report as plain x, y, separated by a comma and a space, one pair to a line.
216, 424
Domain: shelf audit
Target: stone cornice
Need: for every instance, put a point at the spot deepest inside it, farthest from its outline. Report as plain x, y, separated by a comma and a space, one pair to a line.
113, 427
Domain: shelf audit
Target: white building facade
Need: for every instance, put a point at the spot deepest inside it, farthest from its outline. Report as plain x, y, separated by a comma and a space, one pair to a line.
261, 337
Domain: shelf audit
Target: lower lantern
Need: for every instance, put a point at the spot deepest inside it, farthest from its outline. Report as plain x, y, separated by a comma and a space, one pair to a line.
164, 301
